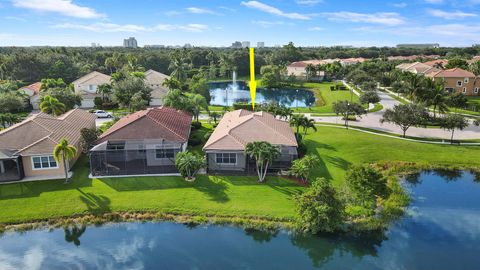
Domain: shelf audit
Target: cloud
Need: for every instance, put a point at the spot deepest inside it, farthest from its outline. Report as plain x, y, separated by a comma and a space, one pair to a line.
275, 11
309, 2
196, 10
385, 18
63, 7
227, 8
434, 1
14, 18
316, 28
400, 5
268, 24
450, 15
132, 28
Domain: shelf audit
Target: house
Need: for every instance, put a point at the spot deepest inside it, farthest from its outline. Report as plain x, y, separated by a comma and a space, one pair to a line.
458, 80
26, 147
155, 80
225, 149
143, 143
33, 93
417, 68
438, 63
298, 68
87, 85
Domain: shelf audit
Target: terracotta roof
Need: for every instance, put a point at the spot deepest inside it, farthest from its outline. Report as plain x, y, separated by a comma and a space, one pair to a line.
432, 63
95, 75
35, 87
452, 73
39, 133
238, 128
298, 64
153, 123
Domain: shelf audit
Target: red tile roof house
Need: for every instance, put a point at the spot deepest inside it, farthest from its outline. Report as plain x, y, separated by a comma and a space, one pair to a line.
33, 93
26, 148
142, 143
225, 149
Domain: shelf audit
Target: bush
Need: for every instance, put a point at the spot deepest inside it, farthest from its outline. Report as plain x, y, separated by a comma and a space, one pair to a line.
196, 125
332, 88
319, 209
302, 149
194, 141
109, 105
98, 102
242, 105
365, 184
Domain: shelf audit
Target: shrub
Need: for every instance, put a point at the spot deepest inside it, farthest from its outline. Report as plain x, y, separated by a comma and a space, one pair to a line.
302, 168
319, 209
332, 88
196, 125
189, 164
365, 185
194, 141
98, 102
109, 105
302, 149
242, 105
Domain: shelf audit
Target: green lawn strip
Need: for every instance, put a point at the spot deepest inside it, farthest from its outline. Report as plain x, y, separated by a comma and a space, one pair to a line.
339, 148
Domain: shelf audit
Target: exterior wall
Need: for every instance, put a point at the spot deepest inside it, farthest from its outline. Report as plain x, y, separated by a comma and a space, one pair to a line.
297, 71
87, 103
451, 83
214, 166
156, 102
30, 172
35, 102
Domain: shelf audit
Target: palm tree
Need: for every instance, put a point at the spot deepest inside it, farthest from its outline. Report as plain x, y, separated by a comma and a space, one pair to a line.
64, 152
105, 90
188, 164
308, 123
179, 66
264, 153
214, 115
310, 70
437, 97
414, 85
73, 235
297, 121
52, 106
198, 103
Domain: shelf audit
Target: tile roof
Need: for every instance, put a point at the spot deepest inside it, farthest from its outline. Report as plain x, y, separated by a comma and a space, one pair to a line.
238, 128
35, 87
432, 63
153, 123
98, 77
39, 133
154, 80
452, 73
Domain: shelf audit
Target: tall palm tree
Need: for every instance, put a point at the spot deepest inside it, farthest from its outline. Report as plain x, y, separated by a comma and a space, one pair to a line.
64, 152
309, 123
297, 121
52, 106
310, 70
414, 85
436, 96
105, 90
198, 103
264, 153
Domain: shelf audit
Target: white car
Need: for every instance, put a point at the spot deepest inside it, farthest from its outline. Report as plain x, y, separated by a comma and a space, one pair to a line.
102, 114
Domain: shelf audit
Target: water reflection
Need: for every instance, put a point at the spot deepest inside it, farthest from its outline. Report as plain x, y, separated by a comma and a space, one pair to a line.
73, 234
223, 93
261, 236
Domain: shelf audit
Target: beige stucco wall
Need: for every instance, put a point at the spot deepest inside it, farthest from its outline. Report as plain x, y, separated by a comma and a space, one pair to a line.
30, 172
470, 86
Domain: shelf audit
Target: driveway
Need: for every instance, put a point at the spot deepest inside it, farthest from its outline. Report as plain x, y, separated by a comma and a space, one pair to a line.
100, 121
372, 120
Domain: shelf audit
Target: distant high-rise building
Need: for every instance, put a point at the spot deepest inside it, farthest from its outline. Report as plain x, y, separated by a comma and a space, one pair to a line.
420, 46
187, 46
237, 45
245, 44
94, 45
260, 44
131, 42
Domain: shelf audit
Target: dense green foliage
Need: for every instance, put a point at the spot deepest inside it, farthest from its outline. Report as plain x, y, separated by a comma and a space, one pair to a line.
346, 109
188, 164
406, 116
263, 153
88, 138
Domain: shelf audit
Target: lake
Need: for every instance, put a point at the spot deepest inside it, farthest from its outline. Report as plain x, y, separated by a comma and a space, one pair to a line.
440, 231
225, 94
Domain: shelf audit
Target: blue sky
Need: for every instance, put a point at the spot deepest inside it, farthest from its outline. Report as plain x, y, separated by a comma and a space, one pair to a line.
219, 23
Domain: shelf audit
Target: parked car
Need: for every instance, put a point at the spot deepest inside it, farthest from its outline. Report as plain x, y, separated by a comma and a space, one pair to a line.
102, 114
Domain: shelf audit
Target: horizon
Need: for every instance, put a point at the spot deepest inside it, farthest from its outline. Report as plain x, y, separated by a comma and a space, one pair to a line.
306, 23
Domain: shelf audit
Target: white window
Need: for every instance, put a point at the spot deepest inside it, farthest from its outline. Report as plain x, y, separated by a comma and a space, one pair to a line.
465, 80
475, 90
464, 89
226, 158
92, 88
164, 153
44, 162
459, 83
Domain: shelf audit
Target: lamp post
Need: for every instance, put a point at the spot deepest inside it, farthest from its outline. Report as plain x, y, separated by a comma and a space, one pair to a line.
296, 97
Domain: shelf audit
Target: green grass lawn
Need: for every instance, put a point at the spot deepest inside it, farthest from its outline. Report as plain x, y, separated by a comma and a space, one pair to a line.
216, 195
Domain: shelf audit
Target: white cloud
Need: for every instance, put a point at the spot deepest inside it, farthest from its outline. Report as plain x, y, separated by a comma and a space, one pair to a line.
104, 27
132, 28
385, 18
196, 10
400, 5
316, 28
450, 15
227, 8
309, 2
434, 1
63, 7
275, 11
268, 24
14, 18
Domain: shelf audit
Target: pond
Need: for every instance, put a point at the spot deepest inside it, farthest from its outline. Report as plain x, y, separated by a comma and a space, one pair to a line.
441, 231
227, 93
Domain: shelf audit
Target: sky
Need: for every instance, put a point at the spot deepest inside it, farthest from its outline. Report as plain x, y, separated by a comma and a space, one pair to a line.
219, 23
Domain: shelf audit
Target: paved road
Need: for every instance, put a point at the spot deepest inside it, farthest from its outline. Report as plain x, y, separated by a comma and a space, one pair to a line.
372, 120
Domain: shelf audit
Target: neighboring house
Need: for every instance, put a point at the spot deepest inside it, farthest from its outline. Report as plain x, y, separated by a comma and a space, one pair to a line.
154, 80
458, 80
143, 143
437, 63
87, 85
474, 59
26, 148
33, 93
417, 68
298, 69
225, 149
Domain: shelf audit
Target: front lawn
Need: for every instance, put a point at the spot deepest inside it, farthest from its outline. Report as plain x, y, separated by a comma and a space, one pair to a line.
237, 196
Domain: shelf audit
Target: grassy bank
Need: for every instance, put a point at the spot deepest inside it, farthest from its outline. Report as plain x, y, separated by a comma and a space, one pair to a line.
228, 197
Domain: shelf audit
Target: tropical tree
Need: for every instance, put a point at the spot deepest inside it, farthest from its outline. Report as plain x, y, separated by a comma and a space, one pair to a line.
308, 123
457, 100
436, 96
297, 121
347, 109
406, 116
8, 119
214, 115
319, 209
52, 106
125, 90
369, 97
264, 153
414, 85
452, 122
198, 102
105, 90
72, 235
303, 167
179, 66
88, 138
64, 152
188, 164
11, 102
364, 184
310, 71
